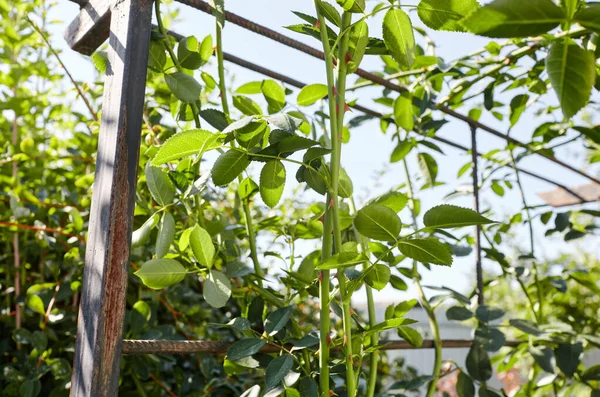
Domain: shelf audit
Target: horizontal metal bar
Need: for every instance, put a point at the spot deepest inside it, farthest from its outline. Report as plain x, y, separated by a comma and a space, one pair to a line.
213, 347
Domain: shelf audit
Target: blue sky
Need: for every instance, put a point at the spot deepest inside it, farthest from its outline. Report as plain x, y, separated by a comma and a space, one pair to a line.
368, 152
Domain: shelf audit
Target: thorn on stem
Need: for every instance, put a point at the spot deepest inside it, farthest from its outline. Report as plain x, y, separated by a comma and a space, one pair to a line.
348, 57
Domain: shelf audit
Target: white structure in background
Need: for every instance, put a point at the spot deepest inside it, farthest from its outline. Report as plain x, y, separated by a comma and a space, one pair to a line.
422, 359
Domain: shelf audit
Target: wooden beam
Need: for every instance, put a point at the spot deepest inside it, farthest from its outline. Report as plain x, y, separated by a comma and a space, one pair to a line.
102, 308
91, 27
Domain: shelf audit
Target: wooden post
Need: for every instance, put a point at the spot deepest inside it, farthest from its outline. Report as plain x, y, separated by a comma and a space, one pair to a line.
102, 308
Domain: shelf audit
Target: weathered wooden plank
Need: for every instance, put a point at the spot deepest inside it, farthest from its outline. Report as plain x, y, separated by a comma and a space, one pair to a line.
102, 308
560, 197
91, 27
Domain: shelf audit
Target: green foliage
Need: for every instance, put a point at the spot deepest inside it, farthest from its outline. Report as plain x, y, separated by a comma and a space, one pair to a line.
161, 273
311, 93
272, 182
378, 222
426, 251
183, 86
228, 166
398, 37
186, 143
450, 216
572, 75
444, 14
513, 18
260, 267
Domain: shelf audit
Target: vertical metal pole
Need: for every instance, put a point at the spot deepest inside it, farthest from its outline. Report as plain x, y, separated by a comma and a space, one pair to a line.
102, 309
474, 159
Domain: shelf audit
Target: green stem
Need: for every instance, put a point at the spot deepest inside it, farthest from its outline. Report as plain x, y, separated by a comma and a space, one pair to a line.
220, 63
433, 324
374, 356
519, 281
336, 144
540, 314
326, 249
252, 239
167, 44
245, 203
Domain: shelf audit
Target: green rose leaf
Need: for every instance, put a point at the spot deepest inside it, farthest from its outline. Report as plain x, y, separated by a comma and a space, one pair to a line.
187, 143
277, 370
378, 276
329, 12
36, 304
357, 44
403, 114
487, 313
215, 118
187, 53
400, 151
393, 200
272, 182
427, 250
161, 273
342, 260
183, 86
459, 313
387, 324
445, 14
589, 17
247, 188
311, 94
429, 167
274, 95
568, 357
464, 385
141, 235
526, 326
449, 216
217, 289
245, 348
166, 234
246, 105
478, 363
202, 246
398, 37
572, 74
228, 166
514, 18
378, 222
159, 184
276, 320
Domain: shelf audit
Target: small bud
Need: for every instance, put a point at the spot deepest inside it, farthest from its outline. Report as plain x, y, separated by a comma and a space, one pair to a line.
329, 341
347, 108
348, 57
318, 24
335, 91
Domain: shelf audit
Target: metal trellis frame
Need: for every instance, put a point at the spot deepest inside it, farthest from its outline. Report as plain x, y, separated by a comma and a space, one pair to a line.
127, 25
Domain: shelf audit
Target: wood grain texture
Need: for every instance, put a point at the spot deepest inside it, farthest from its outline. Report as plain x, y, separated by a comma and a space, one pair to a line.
102, 309
90, 28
